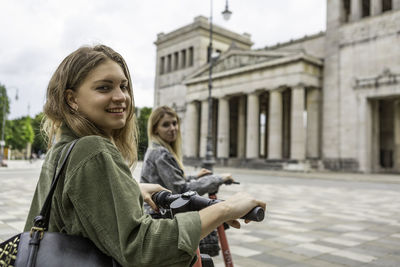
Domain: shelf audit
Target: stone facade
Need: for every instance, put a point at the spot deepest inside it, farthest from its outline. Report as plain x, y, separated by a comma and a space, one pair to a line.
329, 100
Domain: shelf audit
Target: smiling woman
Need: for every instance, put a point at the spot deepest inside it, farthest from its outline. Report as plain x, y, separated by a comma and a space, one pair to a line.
90, 102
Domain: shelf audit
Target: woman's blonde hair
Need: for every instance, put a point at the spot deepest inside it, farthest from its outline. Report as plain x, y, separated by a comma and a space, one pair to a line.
69, 75
175, 148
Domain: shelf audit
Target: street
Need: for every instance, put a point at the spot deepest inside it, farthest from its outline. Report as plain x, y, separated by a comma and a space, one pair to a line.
310, 221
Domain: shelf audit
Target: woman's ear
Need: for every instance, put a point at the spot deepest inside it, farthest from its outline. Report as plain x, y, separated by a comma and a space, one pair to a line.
71, 100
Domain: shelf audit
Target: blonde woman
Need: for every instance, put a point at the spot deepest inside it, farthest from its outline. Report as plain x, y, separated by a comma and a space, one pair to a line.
163, 160
90, 98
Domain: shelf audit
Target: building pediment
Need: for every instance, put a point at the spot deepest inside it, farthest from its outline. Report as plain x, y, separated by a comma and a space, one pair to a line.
238, 59
235, 62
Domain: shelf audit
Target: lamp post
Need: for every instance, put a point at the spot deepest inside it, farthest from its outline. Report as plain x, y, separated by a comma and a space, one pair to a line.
208, 161
3, 129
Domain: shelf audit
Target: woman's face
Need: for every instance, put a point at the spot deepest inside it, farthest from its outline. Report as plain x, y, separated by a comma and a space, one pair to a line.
103, 97
167, 128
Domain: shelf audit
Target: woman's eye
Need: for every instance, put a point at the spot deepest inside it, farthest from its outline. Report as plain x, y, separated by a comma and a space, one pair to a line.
165, 125
174, 123
103, 88
124, 87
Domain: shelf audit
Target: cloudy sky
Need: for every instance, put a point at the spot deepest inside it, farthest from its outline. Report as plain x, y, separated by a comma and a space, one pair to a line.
35, 35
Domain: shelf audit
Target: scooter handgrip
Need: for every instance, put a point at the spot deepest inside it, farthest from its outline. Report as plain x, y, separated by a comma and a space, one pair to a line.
257, 214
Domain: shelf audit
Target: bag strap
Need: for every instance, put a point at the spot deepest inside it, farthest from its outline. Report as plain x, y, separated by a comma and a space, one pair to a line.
42, 220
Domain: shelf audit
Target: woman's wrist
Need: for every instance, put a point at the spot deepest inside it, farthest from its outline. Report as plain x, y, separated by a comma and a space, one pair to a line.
213, 216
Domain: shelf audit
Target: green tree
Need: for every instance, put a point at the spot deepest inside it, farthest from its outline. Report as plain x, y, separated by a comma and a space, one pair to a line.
143, 117
4, 106
39, 143
19, 133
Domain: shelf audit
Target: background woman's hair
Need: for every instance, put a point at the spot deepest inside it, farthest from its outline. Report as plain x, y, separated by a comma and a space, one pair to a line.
69, 75
175, 148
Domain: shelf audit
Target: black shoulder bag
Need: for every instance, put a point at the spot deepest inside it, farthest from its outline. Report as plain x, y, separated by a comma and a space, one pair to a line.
47, 249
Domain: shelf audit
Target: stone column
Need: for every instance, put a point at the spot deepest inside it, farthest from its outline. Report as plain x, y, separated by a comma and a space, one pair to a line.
191, 130
313, 123
364, 134
275, 125
241, 127
355, 9
165, 64
297, 127
223, 128
396, 4
376, 7
252, 140
203, 128
375, 129
397, 135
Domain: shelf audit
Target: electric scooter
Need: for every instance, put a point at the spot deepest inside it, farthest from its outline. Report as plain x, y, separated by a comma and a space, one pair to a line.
191, 201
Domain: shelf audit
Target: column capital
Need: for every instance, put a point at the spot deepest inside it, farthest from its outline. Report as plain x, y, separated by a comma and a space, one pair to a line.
299, 86
279, 89
254, 92
224, 97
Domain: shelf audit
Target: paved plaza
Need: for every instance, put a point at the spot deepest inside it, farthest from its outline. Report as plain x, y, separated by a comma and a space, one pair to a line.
314, 219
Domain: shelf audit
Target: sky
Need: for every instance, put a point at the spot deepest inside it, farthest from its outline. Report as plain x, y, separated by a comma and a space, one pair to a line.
36, 35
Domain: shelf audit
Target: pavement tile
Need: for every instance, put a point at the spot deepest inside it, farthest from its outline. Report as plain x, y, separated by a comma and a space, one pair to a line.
242, 251
292, 218
309, 249
396, 235
320, 263
298, 238
340, 260
347, 227
332, 245
341, 241
272, 259
374, 246
353, 256
294, 228
288, 255
316, 248
361, 236
244, 238
361, 250
248, 262
386, 262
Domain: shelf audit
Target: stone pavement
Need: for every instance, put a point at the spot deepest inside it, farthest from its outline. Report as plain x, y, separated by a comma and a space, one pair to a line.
314, 219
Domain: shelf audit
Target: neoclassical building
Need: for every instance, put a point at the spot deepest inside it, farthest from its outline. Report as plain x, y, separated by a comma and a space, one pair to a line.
328, 101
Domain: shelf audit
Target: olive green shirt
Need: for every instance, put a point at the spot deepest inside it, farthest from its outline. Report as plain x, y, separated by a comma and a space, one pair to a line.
98, 198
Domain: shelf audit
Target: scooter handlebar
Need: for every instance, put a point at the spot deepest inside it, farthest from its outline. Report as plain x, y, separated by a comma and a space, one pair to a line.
191, 201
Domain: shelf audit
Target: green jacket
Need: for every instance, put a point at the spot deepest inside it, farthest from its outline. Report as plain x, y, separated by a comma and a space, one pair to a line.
98, 198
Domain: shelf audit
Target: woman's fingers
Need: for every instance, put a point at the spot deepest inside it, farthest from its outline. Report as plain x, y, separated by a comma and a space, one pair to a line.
203, 172
148, 190
234, 224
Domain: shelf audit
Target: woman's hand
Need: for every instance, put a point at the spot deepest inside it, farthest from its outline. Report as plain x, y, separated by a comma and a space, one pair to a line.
240, 204
227, 178
203, 172
228, 211
148, 190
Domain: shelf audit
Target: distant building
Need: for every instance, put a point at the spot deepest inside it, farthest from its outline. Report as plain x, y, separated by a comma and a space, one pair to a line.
327, 101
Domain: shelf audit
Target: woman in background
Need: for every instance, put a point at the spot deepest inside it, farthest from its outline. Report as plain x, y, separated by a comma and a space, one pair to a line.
162, 163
